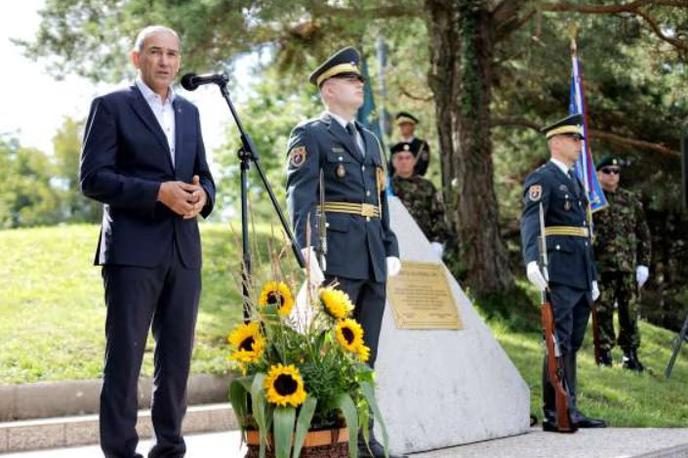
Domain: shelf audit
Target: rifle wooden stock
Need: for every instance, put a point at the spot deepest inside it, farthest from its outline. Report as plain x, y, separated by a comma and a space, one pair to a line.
555, 369
596, 333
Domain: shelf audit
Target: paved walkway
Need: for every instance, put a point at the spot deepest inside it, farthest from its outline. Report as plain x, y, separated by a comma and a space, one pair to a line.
602, 443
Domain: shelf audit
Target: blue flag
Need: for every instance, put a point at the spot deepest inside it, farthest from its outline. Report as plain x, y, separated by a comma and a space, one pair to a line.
585, 167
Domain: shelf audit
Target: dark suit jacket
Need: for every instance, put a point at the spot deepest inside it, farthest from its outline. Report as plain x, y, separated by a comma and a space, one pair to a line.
571, 259
124, 160
357, 247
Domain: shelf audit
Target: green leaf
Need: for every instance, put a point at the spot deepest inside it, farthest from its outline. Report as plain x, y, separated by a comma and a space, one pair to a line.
348, 408
303, 423
237, 397
259, 413
283, 426
369, 394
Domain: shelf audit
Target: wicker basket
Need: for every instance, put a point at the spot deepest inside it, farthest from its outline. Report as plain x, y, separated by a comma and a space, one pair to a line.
328, 443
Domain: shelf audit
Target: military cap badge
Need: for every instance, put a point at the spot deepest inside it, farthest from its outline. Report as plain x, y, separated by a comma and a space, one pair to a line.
535, 192
297, 156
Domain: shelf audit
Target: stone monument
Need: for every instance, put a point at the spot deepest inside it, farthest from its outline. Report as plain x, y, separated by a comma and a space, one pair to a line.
444, 387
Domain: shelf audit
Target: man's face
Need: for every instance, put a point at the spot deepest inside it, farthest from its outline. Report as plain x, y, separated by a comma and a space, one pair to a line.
406, 129
570, 146
403, 163
346, 91
609, 176
159, 61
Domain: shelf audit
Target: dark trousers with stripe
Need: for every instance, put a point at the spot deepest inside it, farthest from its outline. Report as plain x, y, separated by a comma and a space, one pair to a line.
571, 307
164, 298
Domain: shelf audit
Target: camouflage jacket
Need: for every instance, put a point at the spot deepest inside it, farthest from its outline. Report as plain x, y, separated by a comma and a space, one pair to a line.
422, 200
622, 236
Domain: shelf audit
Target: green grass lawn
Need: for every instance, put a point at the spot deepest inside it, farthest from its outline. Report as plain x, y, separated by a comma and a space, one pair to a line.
52, 314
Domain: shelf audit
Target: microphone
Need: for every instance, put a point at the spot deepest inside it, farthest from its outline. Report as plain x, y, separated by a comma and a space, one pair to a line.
191, 81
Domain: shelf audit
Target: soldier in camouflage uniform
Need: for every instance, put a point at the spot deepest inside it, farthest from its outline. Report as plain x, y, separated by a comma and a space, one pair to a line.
622, 249
419, 196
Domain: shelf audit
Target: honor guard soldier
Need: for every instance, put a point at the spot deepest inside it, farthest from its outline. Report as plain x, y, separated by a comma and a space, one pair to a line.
420, 197
571, 282
419, 147
623, 253
361, 250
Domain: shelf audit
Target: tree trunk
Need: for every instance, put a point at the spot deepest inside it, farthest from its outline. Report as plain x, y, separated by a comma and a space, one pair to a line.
460, 77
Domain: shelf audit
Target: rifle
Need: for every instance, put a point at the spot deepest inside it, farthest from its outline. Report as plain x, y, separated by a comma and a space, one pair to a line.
683, 335
596, 334
322, 226
555, 364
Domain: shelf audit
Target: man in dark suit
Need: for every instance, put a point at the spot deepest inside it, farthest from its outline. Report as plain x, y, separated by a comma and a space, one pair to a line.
362, 250
419, 147
143, 158
571, 281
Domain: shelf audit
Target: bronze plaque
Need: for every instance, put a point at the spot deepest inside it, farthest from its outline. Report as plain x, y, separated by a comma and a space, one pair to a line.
421, 297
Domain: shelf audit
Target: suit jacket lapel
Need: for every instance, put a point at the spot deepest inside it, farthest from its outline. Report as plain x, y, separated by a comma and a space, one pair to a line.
146, 114
343, 136
179, 123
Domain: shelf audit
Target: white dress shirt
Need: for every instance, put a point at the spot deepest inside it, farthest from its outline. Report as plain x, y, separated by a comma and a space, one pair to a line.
163, 111
561, 166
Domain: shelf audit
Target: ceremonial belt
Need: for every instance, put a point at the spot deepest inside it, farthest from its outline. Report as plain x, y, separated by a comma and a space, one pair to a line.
369, 210
567, 230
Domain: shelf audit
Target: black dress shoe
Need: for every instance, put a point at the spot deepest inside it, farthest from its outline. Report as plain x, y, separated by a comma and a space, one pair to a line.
582, 421
376, 450
550, 426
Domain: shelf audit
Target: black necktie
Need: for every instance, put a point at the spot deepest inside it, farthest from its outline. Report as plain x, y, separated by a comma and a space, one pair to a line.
576, 186
352, 131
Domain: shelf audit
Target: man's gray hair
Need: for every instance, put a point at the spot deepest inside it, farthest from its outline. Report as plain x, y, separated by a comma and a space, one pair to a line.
150, 30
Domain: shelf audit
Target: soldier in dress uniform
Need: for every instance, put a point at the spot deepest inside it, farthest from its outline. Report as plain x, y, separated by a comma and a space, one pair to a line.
419, 147
622, 247
420, 197
362, 250
572, 278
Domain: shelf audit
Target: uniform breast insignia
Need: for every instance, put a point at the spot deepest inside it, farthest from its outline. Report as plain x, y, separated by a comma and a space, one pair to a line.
563, 187
337, 149
341, 171
567, 204
297, 156
535, 192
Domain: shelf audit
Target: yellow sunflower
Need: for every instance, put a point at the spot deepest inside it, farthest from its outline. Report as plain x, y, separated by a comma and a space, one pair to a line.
349, 334
247, 342
277, 294
363, 353
284, 385
336, 302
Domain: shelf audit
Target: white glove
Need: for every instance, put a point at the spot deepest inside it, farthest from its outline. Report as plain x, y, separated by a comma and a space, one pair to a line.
313, 272
595, 291
393, 266
438, 248
535, 276
642, 273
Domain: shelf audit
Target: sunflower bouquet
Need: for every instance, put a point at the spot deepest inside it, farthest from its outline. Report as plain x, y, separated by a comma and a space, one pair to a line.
300, 369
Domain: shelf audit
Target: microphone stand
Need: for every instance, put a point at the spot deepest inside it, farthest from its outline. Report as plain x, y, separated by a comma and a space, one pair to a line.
247, 154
